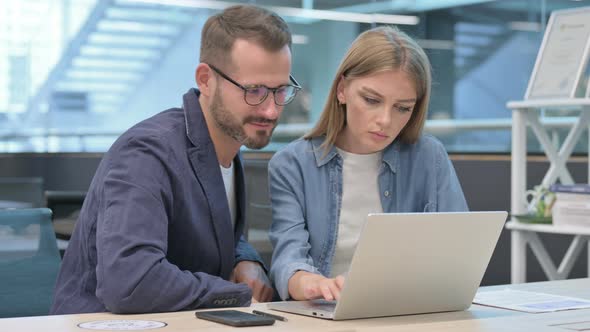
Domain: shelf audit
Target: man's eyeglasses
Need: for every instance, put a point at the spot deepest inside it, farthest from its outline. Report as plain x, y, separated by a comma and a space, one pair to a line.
256, 94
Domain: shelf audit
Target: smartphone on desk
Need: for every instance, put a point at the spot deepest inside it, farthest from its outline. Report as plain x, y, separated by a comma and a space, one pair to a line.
234, 318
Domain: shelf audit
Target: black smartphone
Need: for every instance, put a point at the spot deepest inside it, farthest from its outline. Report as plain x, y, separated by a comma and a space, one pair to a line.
234, 318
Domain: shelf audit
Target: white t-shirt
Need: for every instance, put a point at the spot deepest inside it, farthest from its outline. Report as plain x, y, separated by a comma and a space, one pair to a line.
230, 190
360, 196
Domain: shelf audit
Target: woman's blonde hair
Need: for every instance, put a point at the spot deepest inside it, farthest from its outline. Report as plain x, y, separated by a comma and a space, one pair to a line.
377, 50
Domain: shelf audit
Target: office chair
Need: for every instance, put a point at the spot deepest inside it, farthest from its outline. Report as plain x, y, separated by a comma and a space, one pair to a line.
258, 210
21, 192
66, 206
29, 262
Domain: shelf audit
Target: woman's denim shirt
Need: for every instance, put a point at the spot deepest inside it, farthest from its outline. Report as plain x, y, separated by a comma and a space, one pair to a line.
306, 194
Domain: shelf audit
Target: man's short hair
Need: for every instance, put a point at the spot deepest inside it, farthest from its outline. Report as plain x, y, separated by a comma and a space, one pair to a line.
249, 22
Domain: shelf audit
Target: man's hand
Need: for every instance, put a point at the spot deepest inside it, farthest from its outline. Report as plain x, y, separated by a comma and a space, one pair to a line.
308, 286
252, 274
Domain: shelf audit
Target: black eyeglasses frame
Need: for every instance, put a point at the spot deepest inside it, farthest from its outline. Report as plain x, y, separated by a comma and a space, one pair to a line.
295, 85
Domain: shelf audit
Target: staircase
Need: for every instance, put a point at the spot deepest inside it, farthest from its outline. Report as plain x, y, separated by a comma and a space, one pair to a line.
475, 43
112, 54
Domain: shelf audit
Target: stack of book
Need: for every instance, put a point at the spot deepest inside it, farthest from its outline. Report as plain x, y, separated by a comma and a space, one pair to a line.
572, 205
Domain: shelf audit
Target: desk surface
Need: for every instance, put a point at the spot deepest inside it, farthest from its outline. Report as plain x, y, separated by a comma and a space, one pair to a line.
477, 318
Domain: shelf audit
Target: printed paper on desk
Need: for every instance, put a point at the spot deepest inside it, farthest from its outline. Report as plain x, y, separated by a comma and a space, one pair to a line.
577, 326
529, 301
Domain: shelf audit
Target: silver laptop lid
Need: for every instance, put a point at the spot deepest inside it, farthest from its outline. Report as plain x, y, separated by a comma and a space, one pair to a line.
410, 263
413, 263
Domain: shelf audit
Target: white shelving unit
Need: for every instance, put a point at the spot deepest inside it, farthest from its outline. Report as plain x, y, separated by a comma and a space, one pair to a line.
554, 83
528, 113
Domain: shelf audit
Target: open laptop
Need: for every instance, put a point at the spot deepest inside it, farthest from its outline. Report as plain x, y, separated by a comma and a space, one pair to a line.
412, 263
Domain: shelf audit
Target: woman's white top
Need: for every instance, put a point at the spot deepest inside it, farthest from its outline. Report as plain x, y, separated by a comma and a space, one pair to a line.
360, 196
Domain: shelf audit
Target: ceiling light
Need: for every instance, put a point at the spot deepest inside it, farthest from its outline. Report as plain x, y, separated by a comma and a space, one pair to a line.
329, 15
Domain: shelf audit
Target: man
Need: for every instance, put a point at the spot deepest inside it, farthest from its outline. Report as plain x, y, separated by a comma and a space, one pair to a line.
161, 226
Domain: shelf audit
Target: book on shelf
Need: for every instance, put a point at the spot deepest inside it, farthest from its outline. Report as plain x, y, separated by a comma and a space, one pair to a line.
577, 188
572, 205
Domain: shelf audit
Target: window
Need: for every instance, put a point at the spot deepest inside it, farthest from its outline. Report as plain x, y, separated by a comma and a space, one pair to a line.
125, 61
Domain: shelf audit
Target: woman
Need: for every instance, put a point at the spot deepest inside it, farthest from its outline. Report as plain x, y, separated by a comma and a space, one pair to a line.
365, 155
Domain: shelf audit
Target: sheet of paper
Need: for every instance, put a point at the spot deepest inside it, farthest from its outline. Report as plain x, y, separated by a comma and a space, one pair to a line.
529, 301
577, 326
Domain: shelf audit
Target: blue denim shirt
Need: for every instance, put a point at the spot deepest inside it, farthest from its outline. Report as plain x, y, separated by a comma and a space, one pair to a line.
306, 194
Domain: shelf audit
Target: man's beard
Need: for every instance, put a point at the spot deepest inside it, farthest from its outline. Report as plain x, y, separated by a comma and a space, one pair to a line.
231, 126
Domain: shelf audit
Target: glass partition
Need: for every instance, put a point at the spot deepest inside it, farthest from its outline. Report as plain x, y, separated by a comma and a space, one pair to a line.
75, 74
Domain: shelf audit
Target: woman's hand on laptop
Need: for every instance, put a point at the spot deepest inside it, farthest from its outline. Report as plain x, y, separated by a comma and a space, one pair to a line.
309, 286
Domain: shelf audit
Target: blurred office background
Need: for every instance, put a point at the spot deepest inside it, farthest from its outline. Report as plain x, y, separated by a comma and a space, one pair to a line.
74, 74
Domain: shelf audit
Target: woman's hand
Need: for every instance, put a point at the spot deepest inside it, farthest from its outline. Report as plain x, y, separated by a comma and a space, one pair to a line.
308, 286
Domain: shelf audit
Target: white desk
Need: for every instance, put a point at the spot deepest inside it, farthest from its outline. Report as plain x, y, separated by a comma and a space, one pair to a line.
476, 318
528, 113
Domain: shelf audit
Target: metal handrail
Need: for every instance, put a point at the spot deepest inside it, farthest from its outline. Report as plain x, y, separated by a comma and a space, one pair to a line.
431, 126
286, 131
